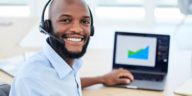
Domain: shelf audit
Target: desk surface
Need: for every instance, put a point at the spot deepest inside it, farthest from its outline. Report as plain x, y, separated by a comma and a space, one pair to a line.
5, 77
99, 90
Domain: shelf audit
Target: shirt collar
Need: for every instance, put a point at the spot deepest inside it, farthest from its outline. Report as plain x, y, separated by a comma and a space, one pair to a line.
61, 67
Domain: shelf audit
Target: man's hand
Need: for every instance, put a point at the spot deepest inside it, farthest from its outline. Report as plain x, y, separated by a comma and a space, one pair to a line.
118, 76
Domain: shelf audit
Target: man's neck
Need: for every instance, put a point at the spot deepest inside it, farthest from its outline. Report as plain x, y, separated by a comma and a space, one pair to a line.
69, 61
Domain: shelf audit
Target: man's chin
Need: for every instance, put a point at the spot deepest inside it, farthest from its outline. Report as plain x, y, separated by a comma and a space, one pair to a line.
75, 53
70, 52
64, 52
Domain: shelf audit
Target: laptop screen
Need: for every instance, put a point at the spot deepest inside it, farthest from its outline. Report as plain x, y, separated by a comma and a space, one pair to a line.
141, 51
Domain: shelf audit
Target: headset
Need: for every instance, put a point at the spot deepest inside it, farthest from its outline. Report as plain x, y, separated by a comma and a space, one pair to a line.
46, 26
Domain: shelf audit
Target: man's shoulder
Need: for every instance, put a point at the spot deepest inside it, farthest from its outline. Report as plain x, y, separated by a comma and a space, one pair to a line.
35, 65
38, 57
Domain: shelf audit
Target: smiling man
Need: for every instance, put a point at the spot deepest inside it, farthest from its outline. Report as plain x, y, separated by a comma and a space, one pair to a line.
71, 23
54, 70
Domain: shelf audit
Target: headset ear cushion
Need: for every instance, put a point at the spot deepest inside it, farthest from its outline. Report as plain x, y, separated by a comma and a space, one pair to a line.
92, 30
47, 26
41, 28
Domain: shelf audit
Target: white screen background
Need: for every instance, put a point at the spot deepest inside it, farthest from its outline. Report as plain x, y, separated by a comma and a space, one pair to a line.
125, 43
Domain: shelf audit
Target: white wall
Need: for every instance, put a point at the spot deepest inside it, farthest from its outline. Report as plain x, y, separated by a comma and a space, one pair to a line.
36, 7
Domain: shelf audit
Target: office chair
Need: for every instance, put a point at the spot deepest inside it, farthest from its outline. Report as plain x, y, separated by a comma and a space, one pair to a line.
4, 89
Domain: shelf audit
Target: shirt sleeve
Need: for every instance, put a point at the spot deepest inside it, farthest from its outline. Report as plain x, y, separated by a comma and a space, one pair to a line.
28, 87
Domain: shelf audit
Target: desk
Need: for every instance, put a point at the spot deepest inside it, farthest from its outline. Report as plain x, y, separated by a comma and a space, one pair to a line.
98, 62
5, 78
111, 91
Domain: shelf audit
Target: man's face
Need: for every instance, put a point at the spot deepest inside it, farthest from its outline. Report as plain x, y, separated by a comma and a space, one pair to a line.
71, 22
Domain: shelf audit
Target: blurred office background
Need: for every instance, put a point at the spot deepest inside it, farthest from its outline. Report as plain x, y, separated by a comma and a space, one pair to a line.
147, 16
153, 16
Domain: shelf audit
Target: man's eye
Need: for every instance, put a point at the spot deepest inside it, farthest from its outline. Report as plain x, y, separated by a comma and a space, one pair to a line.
66, 20
85, 21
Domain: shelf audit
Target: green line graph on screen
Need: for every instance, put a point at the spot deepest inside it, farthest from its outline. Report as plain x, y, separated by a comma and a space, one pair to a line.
142, 53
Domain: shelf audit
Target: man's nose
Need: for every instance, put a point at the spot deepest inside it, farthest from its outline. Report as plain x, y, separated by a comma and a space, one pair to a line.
76, 27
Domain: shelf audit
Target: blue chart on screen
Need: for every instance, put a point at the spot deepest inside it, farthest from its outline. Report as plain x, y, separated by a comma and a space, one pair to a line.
142, 53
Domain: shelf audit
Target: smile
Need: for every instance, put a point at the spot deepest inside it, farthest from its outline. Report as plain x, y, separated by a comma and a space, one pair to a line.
75, 39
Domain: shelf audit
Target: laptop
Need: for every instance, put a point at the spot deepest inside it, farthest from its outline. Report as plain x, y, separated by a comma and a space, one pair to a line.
145, 55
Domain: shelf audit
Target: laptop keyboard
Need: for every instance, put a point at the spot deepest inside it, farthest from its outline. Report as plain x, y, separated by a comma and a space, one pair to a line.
151, 77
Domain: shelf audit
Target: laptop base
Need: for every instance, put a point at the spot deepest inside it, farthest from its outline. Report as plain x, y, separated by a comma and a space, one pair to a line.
143, 84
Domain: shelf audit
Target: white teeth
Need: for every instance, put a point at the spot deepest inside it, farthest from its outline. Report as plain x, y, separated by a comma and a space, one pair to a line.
74, 39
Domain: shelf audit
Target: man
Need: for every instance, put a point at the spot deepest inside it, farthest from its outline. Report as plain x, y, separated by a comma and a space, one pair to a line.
54, 71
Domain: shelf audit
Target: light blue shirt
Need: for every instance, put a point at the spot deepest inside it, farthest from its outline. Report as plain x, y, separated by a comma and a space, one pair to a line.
47, 74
